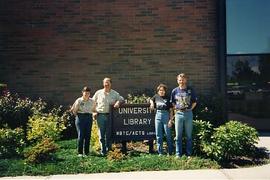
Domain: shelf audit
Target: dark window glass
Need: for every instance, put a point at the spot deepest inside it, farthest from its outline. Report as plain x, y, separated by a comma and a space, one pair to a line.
248, 89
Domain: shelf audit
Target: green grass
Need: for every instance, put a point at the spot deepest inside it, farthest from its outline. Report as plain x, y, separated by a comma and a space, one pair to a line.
67, 162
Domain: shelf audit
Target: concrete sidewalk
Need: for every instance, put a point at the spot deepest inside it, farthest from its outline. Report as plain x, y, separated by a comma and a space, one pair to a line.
258, 173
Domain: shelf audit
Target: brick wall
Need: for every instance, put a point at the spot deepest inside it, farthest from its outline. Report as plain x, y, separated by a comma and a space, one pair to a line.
51, 48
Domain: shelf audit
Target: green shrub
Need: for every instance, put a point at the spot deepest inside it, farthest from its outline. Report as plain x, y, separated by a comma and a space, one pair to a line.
45, 125
94, 137
43, 151
137, 99
202, 131
231, 140
115, 155
14, 111
7, 106
69, 120
11, 142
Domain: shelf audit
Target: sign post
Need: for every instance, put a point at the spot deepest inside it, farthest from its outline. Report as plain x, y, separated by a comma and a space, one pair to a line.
132, 122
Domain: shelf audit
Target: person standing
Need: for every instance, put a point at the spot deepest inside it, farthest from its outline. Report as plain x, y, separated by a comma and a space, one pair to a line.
184, 100
83, 108
161, 102
103, 99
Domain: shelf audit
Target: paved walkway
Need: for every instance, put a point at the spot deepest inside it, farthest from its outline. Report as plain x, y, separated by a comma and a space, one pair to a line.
254, 173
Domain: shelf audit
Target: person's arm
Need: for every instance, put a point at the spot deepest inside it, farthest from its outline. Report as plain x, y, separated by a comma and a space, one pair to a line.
152, 103
152, 106
116, 104
193, 105
94, 110
193, 100
119, 100
95, 106
171, 120
95, 97
172, 100
75, 107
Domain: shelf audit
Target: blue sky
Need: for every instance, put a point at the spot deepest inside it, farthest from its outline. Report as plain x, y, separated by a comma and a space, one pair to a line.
248, 26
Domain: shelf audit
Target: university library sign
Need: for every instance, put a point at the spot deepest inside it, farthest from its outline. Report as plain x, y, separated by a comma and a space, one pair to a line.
132, 122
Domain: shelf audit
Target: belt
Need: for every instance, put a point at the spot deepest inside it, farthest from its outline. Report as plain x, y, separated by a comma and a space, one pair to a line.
182, 110
162, 110
104, 113
84, 113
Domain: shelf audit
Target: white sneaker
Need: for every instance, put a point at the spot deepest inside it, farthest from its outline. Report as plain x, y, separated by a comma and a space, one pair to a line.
80, 155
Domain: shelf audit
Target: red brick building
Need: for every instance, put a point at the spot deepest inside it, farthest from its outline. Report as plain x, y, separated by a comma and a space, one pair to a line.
51, 49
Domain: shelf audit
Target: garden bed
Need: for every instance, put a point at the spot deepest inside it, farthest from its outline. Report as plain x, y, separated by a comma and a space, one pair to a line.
66, 161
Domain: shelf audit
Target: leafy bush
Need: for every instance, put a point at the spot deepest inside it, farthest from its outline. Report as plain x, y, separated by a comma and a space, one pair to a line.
231, 140
43, 151
202, 131
45, 125
115, 155
137, 99
14, 111
69, 120
11, 142
94, 137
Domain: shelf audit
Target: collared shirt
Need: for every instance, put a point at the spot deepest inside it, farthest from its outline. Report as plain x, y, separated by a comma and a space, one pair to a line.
82, 106
105, 99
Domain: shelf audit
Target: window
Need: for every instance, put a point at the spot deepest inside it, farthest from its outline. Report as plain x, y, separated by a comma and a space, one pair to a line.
248, 61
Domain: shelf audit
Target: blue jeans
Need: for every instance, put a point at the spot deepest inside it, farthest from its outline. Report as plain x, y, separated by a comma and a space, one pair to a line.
104, 134
83, 124
161, 122
183, 119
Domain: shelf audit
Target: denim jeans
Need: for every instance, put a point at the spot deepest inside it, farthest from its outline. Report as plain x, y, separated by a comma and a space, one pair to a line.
83, 124
183, 119
161, 122
104, 134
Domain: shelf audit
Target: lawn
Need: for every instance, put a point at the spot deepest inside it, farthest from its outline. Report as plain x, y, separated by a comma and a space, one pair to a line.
66, 161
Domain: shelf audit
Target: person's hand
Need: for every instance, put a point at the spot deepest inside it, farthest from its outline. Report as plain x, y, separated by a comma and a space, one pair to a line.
116, 105
70, 109
170, 123
177, 106
95, 116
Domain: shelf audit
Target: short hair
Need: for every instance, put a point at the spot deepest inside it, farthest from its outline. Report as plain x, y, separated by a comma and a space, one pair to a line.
181, 75
107, 78
86, 89
162, 85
